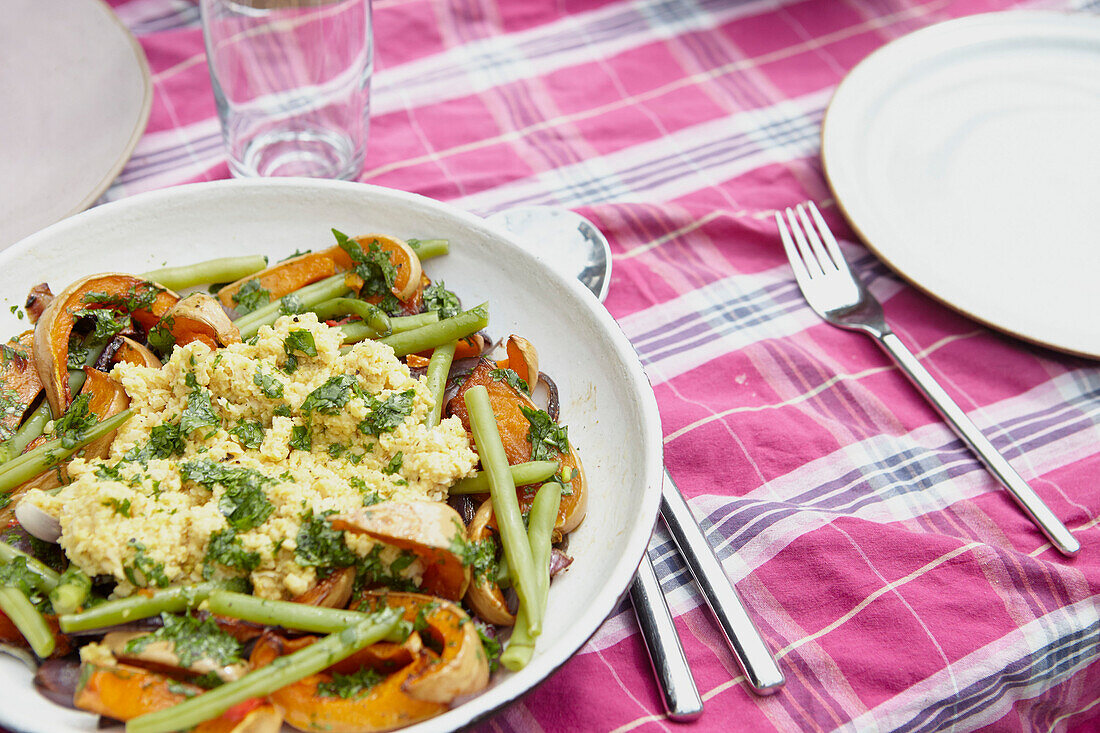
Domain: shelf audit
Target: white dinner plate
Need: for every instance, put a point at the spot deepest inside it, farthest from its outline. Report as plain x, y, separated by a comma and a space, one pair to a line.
605, 397
967, 156
75, 94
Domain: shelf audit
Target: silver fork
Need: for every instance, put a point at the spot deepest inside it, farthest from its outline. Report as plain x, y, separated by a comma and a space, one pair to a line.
838, 296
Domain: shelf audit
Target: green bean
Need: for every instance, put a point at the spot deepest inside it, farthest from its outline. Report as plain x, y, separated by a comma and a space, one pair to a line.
400, 324
523, 474
48, 578
436, 334
124, 610
71, 592
220, 270
438, 368
31, 428
297, 616
357, 331
18, 608
280, 673
540, 527
46, 456
36, 422
428, 248
309, 296
502, 489
372, 315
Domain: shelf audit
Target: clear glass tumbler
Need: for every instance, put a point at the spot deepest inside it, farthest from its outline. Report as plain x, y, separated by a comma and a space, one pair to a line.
292, 84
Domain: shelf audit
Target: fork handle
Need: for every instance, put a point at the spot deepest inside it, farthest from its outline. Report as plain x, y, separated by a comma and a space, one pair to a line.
1025, 496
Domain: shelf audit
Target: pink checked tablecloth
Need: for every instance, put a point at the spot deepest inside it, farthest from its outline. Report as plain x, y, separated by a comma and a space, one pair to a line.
899, 586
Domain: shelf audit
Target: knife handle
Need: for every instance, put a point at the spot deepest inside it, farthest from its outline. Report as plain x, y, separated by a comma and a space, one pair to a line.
761, 670
666, 653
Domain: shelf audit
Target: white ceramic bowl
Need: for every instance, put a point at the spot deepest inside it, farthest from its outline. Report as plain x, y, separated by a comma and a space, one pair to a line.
606, 400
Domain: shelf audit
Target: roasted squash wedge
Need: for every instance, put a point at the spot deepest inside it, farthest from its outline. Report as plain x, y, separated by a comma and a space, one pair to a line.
514, 427
19, 382
105, 290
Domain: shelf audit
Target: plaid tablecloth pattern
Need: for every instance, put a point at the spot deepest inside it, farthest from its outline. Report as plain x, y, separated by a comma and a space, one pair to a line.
899, 586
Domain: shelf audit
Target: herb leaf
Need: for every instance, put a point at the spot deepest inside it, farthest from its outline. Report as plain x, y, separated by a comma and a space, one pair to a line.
199, 411
269, 385
72, 426
225, 549
441, 300
546, 437
249, 433
373, 265
244, 503
301, 341
512, 379
145, 571
300, 438
192, 640
395, 464
330, 396
383, 416
319, 545
352, 685
251, 296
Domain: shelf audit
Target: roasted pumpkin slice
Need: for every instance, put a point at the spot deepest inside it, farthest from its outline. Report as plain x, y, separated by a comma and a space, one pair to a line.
106, 399
368, 696
19, 382
283, 278
484, 595
124, 691
146, 302
430, 530
514, 428
409, 272
199, 317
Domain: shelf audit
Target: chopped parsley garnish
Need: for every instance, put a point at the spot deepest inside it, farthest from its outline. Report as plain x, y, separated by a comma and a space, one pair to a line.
371, 570
300, 341
395, 464
330, 396
108, 323
78, 354
319, 545
348, 686
490, 646
249, 433
546, 437
251, 296
370, 496
145, 571
165, 441
120, 507
16, 575
268, 384
199, 411
290, 304
373, 265
225, 549
441, 300
296, 253
192, 640
282, 410
300, 438
244, 503
385, 415
512, 379
76, 422
140, 296
336, 450
160, 336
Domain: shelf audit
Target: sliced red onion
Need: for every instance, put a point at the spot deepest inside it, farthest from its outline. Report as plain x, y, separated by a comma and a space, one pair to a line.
57, 680
559, 561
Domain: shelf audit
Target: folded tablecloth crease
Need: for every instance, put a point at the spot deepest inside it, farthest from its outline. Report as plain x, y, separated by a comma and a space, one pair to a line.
898, 584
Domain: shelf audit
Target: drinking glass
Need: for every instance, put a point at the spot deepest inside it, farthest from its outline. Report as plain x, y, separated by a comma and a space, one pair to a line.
292, 84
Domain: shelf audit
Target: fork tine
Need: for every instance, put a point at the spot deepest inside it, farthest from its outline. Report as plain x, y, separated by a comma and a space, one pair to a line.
824, 259
800, 273
813, 267
826, 234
